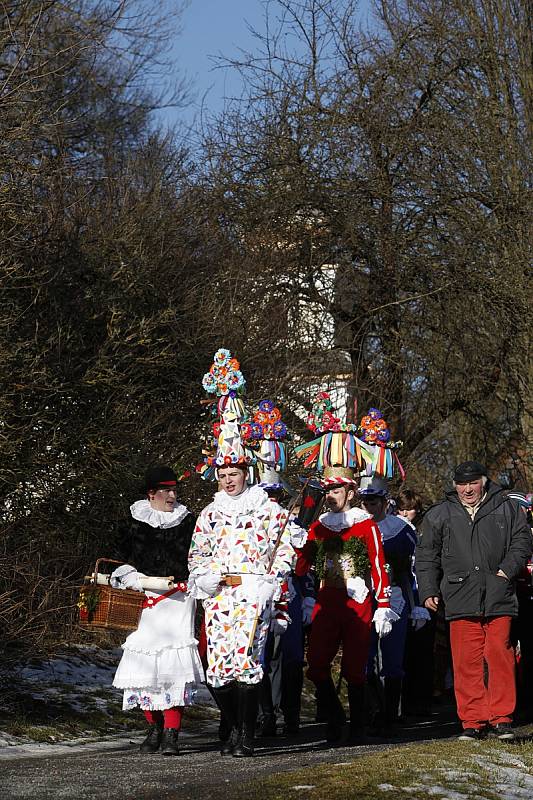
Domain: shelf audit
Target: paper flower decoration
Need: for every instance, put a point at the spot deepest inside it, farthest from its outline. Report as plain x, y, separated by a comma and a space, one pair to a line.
322, 418
374, 429
266, 424
224, 377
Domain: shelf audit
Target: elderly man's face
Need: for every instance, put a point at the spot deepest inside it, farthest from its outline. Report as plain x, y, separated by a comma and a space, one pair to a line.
471, 492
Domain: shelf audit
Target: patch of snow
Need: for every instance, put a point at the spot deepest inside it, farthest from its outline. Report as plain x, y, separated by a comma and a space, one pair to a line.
79, 677
441, 791
508, 758
303, 786
387, 787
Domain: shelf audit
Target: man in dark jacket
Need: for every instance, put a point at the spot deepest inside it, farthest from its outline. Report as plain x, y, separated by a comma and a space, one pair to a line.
472, 547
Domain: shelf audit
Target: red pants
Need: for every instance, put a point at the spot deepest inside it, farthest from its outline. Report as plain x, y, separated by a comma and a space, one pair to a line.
339, 620
474, 642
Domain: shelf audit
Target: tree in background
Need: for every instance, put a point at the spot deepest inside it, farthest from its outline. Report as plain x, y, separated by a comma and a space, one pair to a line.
103, 247
359, 218
378, 183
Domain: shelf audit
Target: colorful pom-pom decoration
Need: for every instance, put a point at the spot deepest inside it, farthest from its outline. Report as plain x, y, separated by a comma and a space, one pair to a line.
266, 424
224, 377
364, 447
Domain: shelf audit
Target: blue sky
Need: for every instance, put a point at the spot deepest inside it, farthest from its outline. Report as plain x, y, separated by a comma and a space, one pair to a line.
212, 28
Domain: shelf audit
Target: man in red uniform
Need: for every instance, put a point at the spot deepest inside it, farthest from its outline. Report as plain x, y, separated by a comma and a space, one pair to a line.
345, 545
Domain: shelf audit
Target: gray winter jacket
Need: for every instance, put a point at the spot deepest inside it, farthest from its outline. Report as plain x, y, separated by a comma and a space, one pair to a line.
457, 558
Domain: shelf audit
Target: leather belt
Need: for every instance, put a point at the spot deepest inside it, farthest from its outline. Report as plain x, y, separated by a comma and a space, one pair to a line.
232, 580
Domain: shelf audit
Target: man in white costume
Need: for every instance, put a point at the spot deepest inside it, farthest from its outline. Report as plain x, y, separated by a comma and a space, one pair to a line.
237, 565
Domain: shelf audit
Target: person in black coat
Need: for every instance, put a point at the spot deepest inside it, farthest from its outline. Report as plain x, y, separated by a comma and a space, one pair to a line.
473, 545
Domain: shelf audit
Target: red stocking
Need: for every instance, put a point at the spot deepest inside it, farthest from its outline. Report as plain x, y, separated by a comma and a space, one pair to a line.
153, 717
173, 717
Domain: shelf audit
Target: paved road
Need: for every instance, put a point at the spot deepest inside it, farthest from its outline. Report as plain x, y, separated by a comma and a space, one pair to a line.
199, 772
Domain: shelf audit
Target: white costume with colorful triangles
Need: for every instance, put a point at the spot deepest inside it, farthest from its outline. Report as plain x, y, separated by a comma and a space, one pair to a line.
236, 536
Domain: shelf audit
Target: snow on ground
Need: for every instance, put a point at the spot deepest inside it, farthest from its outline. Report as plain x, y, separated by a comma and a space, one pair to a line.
78, 678
494, 775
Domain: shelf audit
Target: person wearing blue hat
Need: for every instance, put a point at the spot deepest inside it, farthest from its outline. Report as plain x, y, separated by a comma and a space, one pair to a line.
399, 541
473, 546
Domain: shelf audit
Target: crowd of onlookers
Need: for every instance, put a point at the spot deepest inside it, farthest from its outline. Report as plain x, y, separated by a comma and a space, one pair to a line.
426, 677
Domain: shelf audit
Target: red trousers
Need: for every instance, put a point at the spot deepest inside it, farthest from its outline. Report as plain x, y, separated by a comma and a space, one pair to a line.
475, 642
339, 620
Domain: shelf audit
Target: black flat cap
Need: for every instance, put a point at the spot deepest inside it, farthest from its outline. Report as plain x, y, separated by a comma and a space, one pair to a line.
469, 471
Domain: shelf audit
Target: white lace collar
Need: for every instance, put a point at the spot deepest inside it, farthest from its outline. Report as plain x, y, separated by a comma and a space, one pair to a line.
142, 511
342, 520
252, 499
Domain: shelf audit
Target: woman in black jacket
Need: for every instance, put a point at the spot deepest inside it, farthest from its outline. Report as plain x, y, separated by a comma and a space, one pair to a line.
160, 667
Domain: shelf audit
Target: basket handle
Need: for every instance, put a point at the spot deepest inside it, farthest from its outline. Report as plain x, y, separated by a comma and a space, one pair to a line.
105, 561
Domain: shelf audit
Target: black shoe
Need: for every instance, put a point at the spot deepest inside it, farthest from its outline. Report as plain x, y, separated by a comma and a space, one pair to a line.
357, 737
472, 735
291, 726
503, 731
245, 745
267, 726
334, 730
153, 740
169, 742
227, 745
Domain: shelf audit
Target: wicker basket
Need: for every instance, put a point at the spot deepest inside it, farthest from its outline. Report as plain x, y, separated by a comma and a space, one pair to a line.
105, 607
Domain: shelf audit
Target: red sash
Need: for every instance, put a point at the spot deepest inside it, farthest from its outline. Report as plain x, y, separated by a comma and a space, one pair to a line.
150, 602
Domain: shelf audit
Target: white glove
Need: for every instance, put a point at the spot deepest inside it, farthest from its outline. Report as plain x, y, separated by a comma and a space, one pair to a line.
127, 577
357, 589
419, 617
208, 583
383, 619
396, 599
265, 590
279, 626
298, 535
308, 604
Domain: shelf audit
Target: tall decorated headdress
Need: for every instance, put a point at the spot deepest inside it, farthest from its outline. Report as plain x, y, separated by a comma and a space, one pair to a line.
339, 448
227, 383
266, 434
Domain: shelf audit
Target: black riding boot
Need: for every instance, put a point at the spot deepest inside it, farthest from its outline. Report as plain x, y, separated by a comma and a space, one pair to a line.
153, 740
328, 700
267, 716
169, 742
356, 699
292, 681
224, 728
393, 693
227, 700
248, 706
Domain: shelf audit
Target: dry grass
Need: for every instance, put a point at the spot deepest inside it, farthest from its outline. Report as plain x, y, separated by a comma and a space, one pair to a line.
447, 770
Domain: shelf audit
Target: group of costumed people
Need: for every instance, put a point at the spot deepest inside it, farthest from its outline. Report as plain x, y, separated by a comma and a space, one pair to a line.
263, 574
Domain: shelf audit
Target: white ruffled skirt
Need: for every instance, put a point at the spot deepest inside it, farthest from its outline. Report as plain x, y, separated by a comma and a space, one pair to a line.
160, 667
